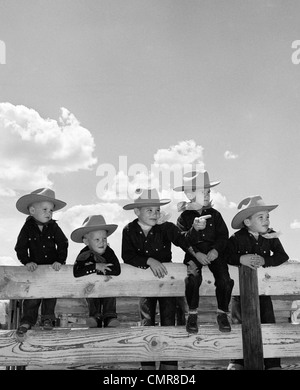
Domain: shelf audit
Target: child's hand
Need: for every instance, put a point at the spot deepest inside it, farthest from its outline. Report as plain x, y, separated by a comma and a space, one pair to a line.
212, 255
56, 266
158, 269
200, 222
202, 258
252, 261
192, 269
31, 266
102, 267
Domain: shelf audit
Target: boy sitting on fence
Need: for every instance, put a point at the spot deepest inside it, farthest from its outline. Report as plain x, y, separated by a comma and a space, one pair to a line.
200, 218
97, 257
255, 245
147, 243
40, 241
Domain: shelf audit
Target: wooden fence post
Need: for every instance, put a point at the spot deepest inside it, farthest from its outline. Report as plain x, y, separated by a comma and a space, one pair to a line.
251, 325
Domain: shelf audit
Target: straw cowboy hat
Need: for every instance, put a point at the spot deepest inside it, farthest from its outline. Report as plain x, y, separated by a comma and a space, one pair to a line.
91, 224
196, 179
249, 206
40, 195
147, 197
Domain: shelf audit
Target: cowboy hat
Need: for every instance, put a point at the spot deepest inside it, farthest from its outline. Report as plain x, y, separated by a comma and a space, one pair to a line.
40, 195
91, 224
250, 205
196, 179
147, 197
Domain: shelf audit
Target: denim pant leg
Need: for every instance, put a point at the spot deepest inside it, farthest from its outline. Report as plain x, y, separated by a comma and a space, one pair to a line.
267, 316
109, 308
167, 309
192, 285
30, 311
223, 282
147, 308
94, 305
48, 309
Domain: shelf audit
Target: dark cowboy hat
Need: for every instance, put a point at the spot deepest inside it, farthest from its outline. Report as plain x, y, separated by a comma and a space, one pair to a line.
91, 224
196, 179
250, 206
40, 195
147, 197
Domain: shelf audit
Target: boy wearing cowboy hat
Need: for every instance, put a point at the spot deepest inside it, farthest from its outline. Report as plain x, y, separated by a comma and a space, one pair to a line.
147, 243
200, 218
255, 245
97, 257
40, 241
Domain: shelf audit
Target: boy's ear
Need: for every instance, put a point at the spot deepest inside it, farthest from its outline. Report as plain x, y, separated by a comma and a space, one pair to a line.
136, 211
85, 241
31, 209
247, 222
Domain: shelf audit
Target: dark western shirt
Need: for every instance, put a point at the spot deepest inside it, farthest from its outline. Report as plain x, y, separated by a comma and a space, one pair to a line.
85, 263
41, 247
214, 236
138, 248
242, 243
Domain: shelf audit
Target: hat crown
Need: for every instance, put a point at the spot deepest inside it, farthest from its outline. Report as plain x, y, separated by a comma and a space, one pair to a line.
150, 194
251, 201
94, 220
44, 192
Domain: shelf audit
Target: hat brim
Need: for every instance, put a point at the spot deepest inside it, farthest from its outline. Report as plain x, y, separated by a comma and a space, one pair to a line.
77, 234
238, 219
146, 203
25, 201
190, 186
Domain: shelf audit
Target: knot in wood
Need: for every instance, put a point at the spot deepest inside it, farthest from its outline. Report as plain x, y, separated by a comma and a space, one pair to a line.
156, 344
89, 288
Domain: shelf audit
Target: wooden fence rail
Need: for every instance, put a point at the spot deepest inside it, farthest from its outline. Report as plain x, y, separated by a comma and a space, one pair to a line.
96, 346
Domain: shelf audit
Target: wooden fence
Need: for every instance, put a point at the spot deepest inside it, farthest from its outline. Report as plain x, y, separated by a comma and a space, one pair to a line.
75, 346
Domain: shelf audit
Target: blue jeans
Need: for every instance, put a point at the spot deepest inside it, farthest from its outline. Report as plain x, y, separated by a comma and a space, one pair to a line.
266, 317
167, 309
102, 308
30, 310
223, 283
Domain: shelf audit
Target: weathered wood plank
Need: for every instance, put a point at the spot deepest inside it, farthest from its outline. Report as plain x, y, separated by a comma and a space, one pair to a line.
18, 283
93, 346
103, 346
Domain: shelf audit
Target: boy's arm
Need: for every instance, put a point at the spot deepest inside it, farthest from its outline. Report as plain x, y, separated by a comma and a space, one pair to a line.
231, 254
61, 245
222, 234
111, 258
21, 246
278, 256
130, 252
84, 265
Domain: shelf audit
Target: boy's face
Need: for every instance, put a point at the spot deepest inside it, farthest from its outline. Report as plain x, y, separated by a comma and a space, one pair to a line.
148, 215
42, 211
258, 222
200, 195
96, 241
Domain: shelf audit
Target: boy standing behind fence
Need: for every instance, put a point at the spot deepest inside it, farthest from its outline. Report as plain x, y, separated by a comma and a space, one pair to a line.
147, 243
97, 257
201, 219
40, 241
255, 245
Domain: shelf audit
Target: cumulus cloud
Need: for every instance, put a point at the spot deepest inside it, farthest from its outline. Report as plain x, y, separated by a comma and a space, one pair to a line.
220, 201
32, 147
295, 224
185, 152
230, 155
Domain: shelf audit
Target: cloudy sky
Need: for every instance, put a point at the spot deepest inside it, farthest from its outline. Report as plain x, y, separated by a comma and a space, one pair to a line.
93, 91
